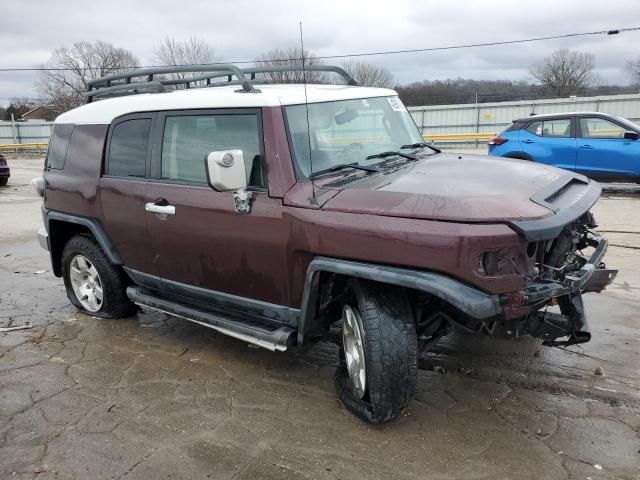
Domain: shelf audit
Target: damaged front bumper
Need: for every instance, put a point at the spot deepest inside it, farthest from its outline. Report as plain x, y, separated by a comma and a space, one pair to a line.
571, 322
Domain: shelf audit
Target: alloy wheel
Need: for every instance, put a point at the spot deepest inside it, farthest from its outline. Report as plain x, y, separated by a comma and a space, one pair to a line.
86, 283
353, 345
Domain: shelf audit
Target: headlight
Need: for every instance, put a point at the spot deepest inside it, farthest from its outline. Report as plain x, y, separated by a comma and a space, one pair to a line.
502, 262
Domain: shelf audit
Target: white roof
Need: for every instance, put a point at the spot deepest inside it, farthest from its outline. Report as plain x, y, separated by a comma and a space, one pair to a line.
104, 111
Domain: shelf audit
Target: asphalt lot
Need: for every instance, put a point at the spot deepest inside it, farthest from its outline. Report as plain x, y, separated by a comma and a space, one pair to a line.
156, 397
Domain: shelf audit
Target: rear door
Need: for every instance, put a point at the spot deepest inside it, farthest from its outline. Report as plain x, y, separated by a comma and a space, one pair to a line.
551, 142
123, 189
604, 153
205, 243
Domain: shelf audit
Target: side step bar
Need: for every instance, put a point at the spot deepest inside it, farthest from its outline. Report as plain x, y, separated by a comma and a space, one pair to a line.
269, 337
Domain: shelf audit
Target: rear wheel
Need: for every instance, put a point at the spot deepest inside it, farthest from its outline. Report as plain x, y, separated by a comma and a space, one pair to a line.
93, 284
3, 181
377, 374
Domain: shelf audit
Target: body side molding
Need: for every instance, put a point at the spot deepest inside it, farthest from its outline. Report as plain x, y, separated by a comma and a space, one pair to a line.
275, 314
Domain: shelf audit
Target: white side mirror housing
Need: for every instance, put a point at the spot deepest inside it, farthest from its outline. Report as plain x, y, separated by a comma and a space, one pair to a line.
226, 170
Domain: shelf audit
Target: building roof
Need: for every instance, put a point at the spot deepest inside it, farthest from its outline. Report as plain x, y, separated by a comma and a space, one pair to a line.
104, 111
41, 112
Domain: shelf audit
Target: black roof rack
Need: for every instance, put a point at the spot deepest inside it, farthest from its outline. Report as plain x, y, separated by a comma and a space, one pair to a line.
126, 83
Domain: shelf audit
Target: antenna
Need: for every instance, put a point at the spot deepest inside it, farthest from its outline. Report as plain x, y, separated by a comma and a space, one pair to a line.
306, 107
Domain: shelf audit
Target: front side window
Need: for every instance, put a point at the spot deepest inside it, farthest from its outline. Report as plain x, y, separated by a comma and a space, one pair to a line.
600, 128
348, 131
551, 128
188, 139
128, 148
58, 145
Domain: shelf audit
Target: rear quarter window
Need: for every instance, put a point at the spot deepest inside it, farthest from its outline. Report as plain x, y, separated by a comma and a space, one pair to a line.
128, 148
514, 127
58, 145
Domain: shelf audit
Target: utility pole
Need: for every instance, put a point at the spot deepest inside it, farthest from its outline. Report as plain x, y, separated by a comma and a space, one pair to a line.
14, 129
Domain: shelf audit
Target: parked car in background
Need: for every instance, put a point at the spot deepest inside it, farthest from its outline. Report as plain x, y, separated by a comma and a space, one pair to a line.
598, 145
5, 173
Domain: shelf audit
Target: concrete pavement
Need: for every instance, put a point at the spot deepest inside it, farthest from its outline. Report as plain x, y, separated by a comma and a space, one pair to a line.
156, 397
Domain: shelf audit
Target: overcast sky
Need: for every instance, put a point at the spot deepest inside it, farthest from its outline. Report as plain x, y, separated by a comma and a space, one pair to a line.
241, 30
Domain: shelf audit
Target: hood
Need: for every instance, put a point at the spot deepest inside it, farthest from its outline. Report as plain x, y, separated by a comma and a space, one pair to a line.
460, 188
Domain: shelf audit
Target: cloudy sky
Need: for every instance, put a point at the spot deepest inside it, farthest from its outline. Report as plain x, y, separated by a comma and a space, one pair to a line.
241, 30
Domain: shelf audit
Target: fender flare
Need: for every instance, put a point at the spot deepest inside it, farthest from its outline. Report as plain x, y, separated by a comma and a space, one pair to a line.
94, 227
469, 300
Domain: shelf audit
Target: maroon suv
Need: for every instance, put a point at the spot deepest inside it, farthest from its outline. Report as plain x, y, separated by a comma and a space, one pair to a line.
272, 212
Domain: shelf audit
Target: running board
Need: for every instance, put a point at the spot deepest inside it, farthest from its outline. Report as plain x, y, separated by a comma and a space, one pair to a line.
278, 338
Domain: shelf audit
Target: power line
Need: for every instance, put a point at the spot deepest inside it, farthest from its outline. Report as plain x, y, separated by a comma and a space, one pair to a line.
370, 54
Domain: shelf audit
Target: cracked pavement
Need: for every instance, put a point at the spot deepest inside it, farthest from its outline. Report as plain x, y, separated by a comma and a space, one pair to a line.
152, 396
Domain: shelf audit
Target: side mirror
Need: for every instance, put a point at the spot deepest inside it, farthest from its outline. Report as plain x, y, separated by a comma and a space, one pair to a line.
226, 171
631, 135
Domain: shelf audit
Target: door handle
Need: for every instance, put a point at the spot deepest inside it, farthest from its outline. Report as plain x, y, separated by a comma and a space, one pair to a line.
165, 209
588, 147
527, 141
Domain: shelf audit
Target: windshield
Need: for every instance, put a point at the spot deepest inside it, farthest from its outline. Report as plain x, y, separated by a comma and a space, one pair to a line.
348, 131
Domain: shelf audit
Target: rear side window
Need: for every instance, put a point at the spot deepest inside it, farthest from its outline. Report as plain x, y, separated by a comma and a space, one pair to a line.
58, 145
513, 127
551, 128
128, 148
188, 139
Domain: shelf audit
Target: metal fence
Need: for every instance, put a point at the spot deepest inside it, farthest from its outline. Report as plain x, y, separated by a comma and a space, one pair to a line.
25, 132
494, 117
444, 123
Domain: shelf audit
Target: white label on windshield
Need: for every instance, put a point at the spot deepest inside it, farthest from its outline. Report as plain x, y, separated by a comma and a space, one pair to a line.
396, 104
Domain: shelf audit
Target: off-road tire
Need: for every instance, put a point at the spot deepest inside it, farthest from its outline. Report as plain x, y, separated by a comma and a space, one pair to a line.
115, 303
390, 349
4, 181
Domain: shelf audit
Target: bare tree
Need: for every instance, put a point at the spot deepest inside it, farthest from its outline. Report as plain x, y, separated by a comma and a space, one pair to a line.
565, 72
287, 57
63, 86
369, 74
18, 106
633, 67
184, 52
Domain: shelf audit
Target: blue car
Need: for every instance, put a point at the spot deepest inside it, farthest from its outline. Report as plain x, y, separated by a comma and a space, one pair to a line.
601, 146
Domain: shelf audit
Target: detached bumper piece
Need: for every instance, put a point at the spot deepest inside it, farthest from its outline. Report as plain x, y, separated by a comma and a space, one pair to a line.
571, 322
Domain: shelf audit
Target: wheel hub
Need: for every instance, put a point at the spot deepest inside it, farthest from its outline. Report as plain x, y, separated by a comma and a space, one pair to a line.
353, 345
86, 283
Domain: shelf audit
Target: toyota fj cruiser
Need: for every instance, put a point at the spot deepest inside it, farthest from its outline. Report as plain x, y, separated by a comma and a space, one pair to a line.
273, 212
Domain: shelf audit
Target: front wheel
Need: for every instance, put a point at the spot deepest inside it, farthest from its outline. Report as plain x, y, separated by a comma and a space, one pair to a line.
377, 374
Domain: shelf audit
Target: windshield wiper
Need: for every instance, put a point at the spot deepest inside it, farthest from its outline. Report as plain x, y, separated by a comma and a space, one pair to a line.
421, 145
342, 166
392, 154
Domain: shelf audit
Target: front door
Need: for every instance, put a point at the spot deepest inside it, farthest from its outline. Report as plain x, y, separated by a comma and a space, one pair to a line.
604, 153
204, 242
550, 142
